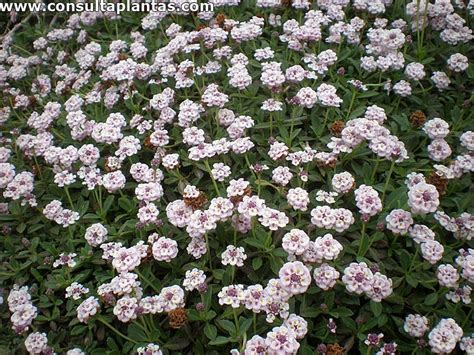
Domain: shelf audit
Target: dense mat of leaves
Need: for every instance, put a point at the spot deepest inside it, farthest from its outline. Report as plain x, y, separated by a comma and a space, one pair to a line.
270, 177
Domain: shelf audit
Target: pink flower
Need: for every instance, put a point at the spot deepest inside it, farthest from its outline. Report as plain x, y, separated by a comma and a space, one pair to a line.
295, 277
282, 340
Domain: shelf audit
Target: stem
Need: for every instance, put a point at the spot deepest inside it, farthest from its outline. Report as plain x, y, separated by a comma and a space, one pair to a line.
413, 260
271, 125
115, 330
420, 42
375, 170
467, 318
208, 251
389, 175
393, 243
150, 322
250, 166
99, 202
236, 321
417, 25
233, 274
397, 104
69, 197
350, 105
71, 236
362, 236
254, 322
258, 185
292, 123
38, 167
325, 120
141, 323
206, 163
147, 281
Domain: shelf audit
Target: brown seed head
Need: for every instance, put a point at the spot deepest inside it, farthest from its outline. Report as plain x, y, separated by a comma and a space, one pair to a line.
417, 119
440, 182
177, 318
336, 128
147, 143
196, 202
220, 18
335, 349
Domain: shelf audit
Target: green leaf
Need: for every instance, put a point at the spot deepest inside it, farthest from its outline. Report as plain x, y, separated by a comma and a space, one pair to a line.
178, 342
306, 350
376, 308
357, 112
382, 320
78, 329
21, 228
136, 333
342, 312
279, 252
83, 208
220, 340
245, 325
112, 345
257, 263
349, 323
411, 280
255, 243
228, 326
371, 323
309, 312
210, 331
126, 203
431, 299
108, 203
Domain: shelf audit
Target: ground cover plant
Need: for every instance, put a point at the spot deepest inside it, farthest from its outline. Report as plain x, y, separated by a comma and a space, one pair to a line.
275, 177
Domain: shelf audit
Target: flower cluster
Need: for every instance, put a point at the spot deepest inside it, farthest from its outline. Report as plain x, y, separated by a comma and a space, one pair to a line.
23, 310
359, 278
444, 336
326, 217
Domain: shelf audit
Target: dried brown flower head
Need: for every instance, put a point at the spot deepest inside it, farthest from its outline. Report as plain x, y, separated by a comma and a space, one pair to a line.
32, 100
237, 199
335, 349
327, 164
220, 18
177, 318
336, 128
111, 164
122, 56
196, 202
147, 143
440, 182
417, 119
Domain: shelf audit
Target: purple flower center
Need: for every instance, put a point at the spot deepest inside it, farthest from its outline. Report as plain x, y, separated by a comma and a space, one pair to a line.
295, 278
359, 277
